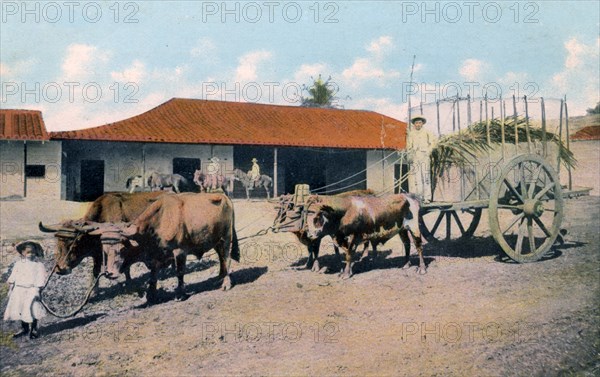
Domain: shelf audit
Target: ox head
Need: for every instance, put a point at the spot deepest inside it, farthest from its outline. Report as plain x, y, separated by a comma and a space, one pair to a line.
318, 222
73, 244
117, 245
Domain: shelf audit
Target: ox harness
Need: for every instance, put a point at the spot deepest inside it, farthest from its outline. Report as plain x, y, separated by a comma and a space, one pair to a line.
76, 236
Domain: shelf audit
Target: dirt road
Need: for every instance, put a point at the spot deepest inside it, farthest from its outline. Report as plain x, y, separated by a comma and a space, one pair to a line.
472, 314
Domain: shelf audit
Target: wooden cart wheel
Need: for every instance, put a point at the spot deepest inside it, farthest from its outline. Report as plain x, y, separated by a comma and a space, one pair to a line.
440, 225
526, 208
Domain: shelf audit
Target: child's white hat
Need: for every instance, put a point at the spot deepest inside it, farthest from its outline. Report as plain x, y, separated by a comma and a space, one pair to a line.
37, 248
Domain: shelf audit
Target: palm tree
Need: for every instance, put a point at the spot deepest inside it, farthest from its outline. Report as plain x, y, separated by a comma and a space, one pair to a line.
321, 94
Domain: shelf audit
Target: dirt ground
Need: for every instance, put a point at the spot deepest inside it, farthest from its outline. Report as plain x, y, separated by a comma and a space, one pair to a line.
473, 314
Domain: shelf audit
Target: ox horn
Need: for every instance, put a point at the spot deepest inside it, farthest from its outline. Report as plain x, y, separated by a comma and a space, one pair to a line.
88, 226
49, 228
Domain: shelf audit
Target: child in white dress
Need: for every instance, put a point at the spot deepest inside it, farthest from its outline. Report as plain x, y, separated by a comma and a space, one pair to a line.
27, 278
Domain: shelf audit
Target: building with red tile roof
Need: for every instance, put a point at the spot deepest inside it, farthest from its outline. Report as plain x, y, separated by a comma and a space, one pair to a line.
22, 125
30, 160
194, 121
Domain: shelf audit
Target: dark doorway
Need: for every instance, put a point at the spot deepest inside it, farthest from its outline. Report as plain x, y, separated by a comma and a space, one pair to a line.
400, 171
327, 171
92, 179
186, 167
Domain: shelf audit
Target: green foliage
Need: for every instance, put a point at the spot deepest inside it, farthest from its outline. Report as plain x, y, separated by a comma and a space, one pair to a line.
6, 339
462, 148
321, 94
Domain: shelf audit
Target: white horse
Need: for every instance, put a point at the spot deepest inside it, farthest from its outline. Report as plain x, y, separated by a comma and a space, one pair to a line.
133, 182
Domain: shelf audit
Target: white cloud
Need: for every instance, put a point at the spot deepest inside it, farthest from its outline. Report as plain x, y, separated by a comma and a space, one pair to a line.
135, 73
380, 46
18, 68
82, 61
248, 65
383, 106
576, 53
579, 79
472, 69
306, 71
370, 68
204, 48
366, 69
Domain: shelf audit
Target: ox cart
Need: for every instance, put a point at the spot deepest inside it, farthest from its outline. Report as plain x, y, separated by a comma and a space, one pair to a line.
514, 173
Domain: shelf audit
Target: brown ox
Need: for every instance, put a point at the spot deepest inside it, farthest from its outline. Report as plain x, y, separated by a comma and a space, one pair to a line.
74, 243
304, 214
364, 216
167, 231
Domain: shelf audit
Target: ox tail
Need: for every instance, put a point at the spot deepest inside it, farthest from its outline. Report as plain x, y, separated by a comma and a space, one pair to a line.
235, 246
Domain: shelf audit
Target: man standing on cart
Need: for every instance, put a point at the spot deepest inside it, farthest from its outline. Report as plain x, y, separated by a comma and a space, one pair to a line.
419, 144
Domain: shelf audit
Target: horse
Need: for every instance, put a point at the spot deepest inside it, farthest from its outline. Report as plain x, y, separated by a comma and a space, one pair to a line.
264, 181
157, 181
133, 182
223, 182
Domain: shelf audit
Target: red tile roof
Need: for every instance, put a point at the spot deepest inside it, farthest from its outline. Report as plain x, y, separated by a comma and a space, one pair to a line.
217, 122
587, 133
22, 125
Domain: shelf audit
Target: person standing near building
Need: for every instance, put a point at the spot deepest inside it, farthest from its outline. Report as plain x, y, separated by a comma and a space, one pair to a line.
420, 143
212, 172
254, 173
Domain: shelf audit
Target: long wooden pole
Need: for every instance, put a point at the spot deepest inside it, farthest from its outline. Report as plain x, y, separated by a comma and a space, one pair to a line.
568, 143
144, 167
468, 110
516, 125
560, 125
487, 122
275, 188
437, 105
527, 125
544, 142
458, 111
502, 116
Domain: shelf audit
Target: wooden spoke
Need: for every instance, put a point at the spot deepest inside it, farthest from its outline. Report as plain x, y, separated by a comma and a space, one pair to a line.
534, 183
544, 191
437, 222
519, 217
530, 235
520, 235
522, 182
542, 226
460, 225
465, 224
513, 190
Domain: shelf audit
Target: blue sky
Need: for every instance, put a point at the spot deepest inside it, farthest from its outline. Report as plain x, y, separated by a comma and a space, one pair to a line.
87, 63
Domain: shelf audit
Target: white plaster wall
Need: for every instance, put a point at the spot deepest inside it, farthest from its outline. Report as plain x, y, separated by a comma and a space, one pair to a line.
380, 174
11, 165
49, 154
